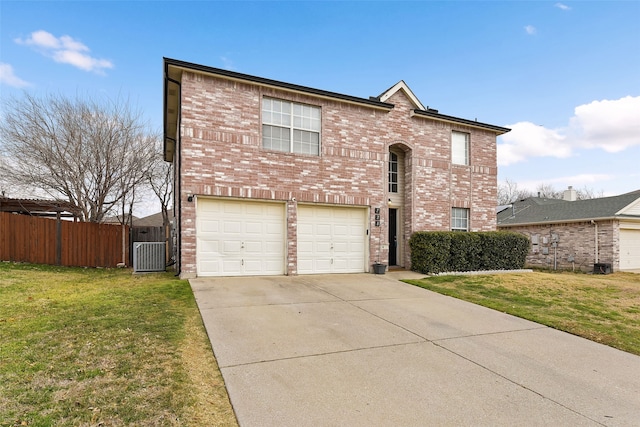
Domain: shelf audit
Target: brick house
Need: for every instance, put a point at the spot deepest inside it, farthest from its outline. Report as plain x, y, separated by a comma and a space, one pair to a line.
275, 178
578, 234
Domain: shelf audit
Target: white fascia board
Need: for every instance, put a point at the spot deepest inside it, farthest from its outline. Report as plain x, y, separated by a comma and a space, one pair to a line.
401, 85
632, 208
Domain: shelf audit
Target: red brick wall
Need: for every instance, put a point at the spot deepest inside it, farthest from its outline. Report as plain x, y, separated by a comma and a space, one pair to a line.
222, 155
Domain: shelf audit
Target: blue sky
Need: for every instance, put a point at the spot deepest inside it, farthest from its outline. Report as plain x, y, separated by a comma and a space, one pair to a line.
565, 76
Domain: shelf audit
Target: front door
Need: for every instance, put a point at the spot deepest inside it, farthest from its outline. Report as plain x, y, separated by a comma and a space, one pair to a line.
393, 237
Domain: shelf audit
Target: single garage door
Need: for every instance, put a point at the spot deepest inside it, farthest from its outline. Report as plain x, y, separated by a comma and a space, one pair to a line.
331, 239
239, 238
629, 249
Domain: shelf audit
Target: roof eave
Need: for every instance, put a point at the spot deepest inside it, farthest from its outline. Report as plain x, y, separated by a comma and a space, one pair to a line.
234, 76
498, 130
568, 221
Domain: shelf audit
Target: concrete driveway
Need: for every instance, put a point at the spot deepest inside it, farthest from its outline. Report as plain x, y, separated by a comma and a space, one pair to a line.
368, 350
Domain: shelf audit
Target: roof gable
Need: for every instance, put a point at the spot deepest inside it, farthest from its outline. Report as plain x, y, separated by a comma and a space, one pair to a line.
401, 86
632, 208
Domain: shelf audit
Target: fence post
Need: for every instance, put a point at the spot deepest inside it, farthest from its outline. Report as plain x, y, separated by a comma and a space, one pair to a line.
58, 239
123, 244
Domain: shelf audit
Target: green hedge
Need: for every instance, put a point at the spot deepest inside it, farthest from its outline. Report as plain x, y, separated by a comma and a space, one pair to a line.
442, 251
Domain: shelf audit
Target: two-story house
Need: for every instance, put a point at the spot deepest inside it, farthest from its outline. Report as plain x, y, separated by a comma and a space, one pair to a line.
274, 178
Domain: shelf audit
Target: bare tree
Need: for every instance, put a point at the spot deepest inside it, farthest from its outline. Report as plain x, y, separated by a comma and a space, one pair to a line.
93, 153
588, 193
547, 191
509, 192
160, 179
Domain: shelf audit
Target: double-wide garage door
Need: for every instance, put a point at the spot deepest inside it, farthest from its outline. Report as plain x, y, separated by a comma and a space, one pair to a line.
629, 249
246, 238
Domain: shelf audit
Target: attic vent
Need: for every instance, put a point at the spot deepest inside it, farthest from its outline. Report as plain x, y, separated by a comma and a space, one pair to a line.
172, 92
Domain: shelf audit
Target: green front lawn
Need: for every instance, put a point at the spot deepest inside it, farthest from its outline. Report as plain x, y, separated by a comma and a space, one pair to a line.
104, 347
602, 308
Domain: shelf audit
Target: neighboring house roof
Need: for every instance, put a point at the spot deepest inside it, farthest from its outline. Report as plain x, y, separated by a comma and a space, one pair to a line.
154, 220
118, 219
536, 210
173, 69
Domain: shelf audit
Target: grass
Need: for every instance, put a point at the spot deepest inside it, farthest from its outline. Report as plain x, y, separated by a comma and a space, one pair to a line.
602, 308
103, 347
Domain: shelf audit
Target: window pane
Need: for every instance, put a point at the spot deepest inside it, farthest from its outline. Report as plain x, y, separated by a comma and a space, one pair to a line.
460, 148
306, 142
275, 138
460, 219
281, 118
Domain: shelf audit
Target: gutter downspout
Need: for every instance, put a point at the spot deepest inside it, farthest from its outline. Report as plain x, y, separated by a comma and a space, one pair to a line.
596, 240
177, 199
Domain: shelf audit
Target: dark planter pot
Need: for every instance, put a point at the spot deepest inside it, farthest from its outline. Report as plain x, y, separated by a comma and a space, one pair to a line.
379, 268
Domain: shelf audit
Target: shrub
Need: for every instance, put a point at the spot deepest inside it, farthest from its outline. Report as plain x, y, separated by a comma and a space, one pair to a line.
434, 248
440, 251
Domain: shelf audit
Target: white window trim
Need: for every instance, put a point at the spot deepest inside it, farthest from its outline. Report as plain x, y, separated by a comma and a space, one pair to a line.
291, 127
467, 149
453, 217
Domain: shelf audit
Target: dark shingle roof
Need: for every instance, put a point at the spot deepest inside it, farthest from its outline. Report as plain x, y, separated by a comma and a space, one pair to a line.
539, 210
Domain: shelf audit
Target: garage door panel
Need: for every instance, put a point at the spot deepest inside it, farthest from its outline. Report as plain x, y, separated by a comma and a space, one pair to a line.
239, 237
323, 231
273, 247
629, 249
213, 267
331, 239
231, 266
232, 227
273, 228
254, 247
210, 226
253, 227
211, 245
232, 208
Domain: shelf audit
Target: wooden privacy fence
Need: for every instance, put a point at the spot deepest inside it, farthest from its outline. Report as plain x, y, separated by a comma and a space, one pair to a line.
25, 238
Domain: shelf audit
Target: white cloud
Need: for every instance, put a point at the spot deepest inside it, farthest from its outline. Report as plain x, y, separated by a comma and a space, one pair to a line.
612, 126
562, 6
65, 50
528, 140
8, 77
530, 29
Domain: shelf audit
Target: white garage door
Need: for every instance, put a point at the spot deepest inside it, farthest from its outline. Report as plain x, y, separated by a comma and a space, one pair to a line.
629, 249
239, 238
331, 239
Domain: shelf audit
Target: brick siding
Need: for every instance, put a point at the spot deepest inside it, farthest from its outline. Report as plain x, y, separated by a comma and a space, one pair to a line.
222, 155
575, 240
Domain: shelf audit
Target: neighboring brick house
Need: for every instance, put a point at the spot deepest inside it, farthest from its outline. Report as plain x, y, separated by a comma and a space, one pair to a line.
276, 178
578, 234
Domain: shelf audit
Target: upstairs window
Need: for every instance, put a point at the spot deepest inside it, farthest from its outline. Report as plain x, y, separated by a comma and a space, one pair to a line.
290, 127
459, 219
460, 148
393, 173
